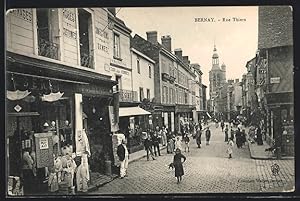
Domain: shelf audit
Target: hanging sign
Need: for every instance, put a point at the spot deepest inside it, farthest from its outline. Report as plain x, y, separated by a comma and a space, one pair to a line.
18, 108
275, 80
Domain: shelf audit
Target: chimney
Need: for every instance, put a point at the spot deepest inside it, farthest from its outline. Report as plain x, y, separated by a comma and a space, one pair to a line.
237, 80
185, 59
178, 52
166, 42
152, 36
112, 10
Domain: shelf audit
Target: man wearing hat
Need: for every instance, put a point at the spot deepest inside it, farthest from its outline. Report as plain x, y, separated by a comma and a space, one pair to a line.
123, 155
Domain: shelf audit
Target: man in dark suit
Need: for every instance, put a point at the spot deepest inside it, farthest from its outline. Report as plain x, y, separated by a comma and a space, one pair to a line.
123, 155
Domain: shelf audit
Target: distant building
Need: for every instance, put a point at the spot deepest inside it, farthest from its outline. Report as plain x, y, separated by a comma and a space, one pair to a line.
217, 78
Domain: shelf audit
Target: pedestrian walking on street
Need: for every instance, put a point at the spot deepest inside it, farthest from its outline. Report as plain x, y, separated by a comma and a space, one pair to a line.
148, 146
238, 136
198, 136
230, 148
123, 155
178, 143
222, 125
243, 136
155, 141
207, 135
226, 133
177, 162
186, 141
164, 132
170, 143
231, 133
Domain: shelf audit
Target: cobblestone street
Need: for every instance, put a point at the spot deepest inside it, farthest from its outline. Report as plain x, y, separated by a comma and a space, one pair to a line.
207, 170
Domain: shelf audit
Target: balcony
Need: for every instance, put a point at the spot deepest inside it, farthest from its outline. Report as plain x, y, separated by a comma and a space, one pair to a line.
48, 49
86, 59
128, 96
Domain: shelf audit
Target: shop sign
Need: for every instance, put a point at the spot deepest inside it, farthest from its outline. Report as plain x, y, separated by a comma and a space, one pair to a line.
275, 80
124, 72
44, 143
24, 14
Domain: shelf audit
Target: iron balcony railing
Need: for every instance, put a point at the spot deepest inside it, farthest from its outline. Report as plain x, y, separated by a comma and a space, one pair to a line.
86, 59
128, 96
48, 49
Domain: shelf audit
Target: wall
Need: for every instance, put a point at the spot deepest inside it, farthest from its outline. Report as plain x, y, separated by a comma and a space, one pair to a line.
22, 36
165, 64
280, 66
121, 66
19, 35
142, 79
275, 26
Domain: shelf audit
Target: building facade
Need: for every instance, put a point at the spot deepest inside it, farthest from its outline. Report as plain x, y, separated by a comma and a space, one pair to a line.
56, 60
217, 78
273, 78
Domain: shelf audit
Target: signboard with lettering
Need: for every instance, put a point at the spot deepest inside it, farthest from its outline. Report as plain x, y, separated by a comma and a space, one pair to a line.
275, 80
44, 143
25, 14
44, 149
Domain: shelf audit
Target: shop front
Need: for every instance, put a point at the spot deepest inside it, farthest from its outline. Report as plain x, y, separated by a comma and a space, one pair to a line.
42, 118
168, 116
183, 114
132, 122
281, 122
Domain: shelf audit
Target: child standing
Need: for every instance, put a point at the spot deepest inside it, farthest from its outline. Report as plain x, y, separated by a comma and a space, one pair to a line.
230, 146
177, 162
178, 143
186, 140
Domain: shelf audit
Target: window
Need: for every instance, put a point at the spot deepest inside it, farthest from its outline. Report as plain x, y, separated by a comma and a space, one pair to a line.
119, 80
117, 52
85, 38
138, 66
141, 94
150, 71
167, 95
47, 45
148, 94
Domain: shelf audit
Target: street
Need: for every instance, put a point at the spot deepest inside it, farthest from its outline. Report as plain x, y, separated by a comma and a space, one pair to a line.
207, 170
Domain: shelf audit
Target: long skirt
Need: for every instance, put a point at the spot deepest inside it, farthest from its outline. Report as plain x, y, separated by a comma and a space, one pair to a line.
178, 169
170, 147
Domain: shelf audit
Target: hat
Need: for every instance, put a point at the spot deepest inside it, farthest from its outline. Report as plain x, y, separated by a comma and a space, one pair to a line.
46, 124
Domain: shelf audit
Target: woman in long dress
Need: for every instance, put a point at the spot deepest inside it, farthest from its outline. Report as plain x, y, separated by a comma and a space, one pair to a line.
177, 162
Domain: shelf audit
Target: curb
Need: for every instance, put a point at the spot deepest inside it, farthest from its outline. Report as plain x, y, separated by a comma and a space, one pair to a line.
268, 158
96, 186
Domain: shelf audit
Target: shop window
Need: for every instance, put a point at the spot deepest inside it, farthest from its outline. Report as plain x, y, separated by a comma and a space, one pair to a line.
117, 52
141, 94
85, 38
47, 47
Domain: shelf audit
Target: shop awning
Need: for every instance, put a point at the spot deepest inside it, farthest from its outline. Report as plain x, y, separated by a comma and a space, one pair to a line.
132, 111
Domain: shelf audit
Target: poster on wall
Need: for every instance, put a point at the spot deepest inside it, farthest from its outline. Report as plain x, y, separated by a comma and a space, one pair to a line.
44, 149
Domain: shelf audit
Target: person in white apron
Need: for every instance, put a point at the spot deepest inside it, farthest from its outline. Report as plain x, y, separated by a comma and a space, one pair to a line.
123, 155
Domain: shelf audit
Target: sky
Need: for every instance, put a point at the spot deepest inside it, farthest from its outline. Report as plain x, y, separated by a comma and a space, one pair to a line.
236, 41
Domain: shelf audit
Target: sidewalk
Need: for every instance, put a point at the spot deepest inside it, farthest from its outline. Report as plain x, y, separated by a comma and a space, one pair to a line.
98, 180
258, 151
